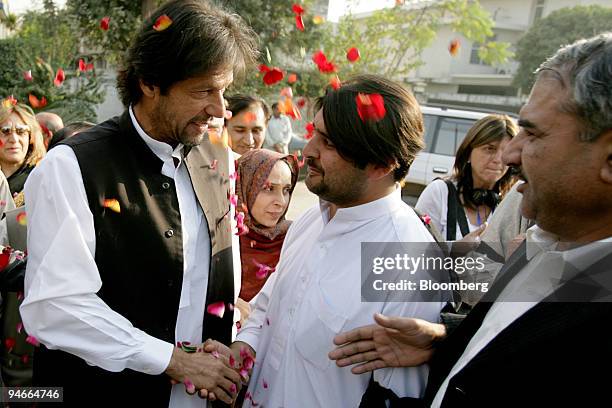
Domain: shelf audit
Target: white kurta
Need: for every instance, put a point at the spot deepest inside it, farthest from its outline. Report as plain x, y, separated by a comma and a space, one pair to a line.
61, 307
314, 295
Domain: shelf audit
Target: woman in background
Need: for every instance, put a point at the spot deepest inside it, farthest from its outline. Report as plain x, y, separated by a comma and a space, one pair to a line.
264, 186
479, 180
21, 146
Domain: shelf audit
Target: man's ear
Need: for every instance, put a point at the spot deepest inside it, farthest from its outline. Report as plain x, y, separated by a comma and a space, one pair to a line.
606, 169
149, 91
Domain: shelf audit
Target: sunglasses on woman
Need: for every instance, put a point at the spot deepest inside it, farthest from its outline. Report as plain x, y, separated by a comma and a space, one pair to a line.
19, 129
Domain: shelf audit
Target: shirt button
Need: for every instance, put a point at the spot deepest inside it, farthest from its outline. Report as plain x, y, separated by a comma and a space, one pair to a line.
165, 185
169, 233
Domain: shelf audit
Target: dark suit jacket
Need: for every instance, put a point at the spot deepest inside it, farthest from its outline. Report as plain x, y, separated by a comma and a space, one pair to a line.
556, 354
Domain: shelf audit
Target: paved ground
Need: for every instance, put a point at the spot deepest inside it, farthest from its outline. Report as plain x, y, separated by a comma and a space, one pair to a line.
303, 199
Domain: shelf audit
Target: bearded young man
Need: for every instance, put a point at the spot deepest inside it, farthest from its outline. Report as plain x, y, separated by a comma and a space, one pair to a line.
129, 233
355, 162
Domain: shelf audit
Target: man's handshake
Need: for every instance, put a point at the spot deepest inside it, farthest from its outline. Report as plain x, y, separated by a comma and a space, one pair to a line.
213, 370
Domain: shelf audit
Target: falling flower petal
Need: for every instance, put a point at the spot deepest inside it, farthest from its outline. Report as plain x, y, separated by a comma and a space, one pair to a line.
5, 257
273, 76
59, 77
9, 343
233, 200
233, 176
250, 117
335, 82
22, 218
309, 130
318, 20
353, 54
19, 327
453, 47
232, 361
189, 387
162, 23
292, 78
27, 75
112, 204
263, 270
216, 309
426, 219
248, 362
297, 9
299, 22
287, 92
301, 103
323, 64
104, 23
33, 341
370, 107
36, 103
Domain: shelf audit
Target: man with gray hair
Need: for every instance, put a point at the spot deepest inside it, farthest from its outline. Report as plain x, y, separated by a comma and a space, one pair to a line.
538, 337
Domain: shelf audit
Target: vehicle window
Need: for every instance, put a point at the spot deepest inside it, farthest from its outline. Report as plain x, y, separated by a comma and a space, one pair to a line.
450, 135
429, 122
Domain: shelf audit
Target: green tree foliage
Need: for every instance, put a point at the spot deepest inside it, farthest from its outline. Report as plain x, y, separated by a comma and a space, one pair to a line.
561, 27
125, 18
45, 42
391, 40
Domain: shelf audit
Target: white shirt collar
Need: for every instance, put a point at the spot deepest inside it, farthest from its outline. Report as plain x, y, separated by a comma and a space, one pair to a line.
373, 209
580, 257
162, 150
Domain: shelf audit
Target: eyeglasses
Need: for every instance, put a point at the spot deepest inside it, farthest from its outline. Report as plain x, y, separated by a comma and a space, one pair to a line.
19, 129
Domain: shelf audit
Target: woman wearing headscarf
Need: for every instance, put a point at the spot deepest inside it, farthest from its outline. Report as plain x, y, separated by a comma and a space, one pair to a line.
265, 182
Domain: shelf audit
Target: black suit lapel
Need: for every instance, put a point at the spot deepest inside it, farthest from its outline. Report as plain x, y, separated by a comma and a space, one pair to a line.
449, 351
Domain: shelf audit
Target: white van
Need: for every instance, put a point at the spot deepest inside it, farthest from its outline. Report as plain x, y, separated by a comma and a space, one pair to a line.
445, 129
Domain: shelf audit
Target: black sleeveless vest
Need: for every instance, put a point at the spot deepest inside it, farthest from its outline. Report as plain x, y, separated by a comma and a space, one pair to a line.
139, 254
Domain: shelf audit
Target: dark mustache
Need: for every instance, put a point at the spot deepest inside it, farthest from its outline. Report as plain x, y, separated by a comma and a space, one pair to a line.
310, 162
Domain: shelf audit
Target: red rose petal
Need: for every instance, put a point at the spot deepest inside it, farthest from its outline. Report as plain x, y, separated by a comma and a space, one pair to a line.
33, 341
370, 107
59, 77
309, 130
299, 22
297, 9
353, 54
104, 23
292, 78
273, 76
162, 23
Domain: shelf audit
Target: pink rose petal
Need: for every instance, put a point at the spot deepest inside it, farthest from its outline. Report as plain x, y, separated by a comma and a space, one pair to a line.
216, 309
33, 341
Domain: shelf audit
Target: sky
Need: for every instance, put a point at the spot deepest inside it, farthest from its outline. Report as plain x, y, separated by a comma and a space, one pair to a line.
336, 7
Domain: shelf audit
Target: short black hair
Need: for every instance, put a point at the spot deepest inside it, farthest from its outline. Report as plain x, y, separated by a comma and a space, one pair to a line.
67, 131
241, 102
201, 39
395, 139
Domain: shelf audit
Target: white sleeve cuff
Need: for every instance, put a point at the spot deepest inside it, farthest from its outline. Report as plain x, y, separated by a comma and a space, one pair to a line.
249, 336
154, 357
